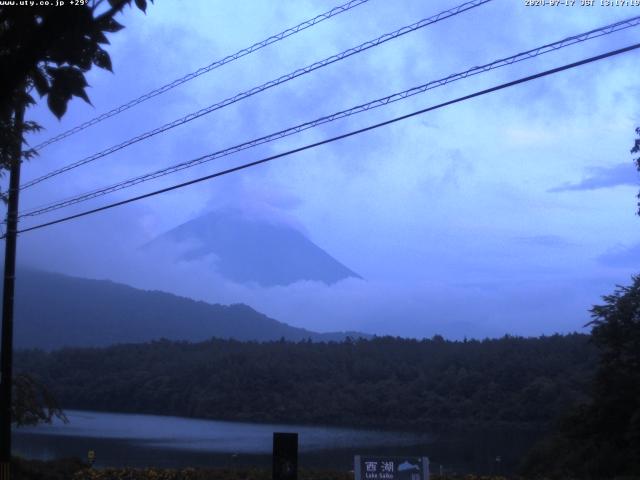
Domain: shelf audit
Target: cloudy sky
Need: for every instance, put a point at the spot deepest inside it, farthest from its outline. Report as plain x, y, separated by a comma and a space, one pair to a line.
509, 213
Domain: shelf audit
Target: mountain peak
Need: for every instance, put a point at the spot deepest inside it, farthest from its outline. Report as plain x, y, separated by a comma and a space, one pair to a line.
250, 247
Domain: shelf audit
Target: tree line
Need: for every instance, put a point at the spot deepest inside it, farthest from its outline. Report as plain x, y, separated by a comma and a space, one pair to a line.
384, 382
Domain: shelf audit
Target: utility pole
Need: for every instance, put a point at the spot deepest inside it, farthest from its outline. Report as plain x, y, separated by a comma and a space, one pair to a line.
6, 356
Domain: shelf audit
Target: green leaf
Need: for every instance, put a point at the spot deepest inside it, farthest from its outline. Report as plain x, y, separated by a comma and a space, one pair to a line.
102, 60
31, 126
85, 59
69, 76
66, 83
111, 26
28, 99
83, 95
40, 82
142, 5
57, 104
100, 37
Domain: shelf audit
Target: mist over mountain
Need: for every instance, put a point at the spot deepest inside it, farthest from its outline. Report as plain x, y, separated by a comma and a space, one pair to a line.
54, 310
249, 248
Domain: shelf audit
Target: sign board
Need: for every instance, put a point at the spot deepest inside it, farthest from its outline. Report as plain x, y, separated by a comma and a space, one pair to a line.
391, 468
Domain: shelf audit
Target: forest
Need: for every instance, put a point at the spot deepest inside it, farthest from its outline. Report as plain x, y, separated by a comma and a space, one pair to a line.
382, 382
581, 391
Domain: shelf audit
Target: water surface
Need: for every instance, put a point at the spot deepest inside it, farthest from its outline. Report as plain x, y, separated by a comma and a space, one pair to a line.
151, 440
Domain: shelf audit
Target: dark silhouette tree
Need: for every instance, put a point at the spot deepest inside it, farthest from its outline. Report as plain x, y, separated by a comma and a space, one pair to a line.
33, 403
48, 49
601, 439
636, 149
614, 415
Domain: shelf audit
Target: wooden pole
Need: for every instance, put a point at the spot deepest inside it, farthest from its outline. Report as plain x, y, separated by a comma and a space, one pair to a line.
6, 356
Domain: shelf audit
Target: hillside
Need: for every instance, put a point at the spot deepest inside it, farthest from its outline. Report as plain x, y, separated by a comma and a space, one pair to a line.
54, 310
384, 382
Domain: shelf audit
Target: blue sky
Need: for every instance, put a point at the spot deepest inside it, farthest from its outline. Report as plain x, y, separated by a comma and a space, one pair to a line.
509, 213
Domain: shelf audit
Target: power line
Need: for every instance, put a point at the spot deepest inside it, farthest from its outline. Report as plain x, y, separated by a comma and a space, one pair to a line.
606, 30
283, 79
201, 71
339, 137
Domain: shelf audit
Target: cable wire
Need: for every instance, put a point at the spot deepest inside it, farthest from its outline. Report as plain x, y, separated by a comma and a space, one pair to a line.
285, 78
339, 137
606, 30
201, 71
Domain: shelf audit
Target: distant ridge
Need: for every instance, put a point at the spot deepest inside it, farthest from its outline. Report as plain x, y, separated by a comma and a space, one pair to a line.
250, 248
54, 310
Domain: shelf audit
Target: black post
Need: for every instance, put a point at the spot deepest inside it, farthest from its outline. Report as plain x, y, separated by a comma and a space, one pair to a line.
6, 368
285, 456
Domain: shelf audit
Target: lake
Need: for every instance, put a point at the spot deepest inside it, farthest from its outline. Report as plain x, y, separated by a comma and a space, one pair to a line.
150, 440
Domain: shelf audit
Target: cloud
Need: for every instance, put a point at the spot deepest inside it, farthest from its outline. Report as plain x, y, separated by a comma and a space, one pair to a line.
621, 174
442, 214
622, 256
544, 240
